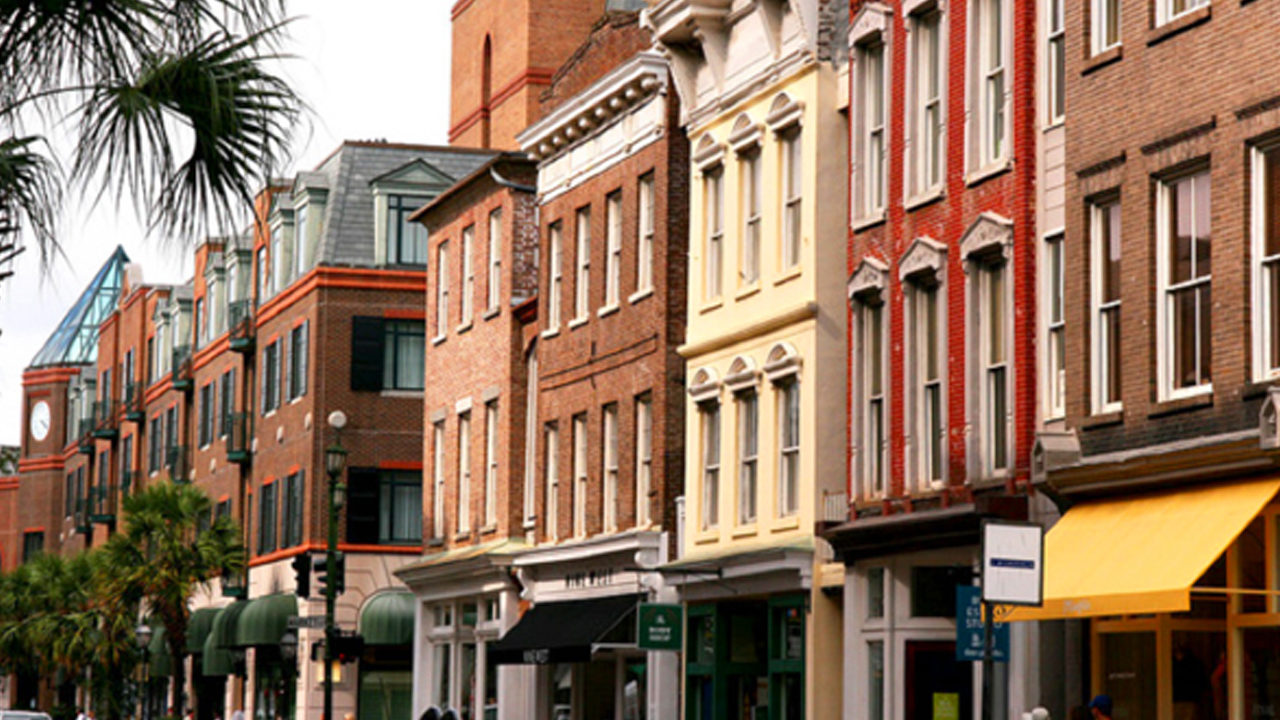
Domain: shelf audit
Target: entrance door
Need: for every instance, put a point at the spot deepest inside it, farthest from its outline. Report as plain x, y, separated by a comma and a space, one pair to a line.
937, 686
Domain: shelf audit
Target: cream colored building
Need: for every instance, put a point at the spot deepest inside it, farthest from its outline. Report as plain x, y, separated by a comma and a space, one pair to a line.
761, 84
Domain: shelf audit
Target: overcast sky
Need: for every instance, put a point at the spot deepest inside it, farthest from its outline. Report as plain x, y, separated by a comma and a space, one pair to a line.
369, 69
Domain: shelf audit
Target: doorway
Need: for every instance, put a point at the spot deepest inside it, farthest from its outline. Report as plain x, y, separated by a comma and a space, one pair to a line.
937, 686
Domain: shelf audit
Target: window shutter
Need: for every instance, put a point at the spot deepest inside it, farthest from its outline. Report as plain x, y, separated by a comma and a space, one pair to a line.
302, 360
362, 505
286, 376
262, 380
366, 353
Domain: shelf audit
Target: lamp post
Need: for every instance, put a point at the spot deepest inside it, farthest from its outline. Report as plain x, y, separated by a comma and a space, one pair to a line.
335, 462
142, 635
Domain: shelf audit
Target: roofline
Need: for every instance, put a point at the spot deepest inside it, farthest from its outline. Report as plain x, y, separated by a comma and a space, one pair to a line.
483, 171
452, 149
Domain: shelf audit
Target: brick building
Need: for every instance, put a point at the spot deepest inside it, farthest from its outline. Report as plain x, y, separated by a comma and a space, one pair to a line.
1165, 464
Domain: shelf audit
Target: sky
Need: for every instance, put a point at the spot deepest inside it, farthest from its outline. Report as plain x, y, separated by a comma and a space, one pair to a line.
368, 69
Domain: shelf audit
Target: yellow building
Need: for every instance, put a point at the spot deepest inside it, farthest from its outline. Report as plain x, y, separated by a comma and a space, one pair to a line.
760, 86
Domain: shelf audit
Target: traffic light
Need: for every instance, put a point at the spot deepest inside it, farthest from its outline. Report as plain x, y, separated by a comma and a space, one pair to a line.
302, 575
348, 648
337, 574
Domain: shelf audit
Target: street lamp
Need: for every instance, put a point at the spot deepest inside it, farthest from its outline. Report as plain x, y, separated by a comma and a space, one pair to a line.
335, 462
289, 647
142, 635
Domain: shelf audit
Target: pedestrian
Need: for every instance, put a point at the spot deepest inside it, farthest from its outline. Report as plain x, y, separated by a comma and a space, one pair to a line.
80, 714
1100, 707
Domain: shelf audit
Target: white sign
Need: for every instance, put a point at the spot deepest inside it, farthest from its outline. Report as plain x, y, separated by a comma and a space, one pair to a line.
313, 621
1012, 563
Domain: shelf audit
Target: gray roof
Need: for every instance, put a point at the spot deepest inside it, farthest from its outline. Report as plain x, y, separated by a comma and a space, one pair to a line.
348, 174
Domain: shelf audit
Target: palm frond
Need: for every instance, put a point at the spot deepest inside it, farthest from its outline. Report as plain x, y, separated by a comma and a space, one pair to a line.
30, 191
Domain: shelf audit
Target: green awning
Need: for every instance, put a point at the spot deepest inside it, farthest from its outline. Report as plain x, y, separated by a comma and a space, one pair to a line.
198, 628
158, 650
265, 620
387, 619
216, 658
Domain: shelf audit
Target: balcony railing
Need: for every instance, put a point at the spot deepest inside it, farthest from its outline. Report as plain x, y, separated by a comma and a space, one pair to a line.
182, 378
104, 419
238, 427
103, 505
835, 507
133, 409
176, 462
82, 517
240, 326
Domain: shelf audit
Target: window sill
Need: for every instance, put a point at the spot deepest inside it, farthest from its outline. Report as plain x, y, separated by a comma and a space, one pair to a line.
785, 524
492, 313
1258, 388
1054, 124
713, 305
744, 531
868, 221
550, 332
435, 542
437, 339
983, 174
412, 394
747, 291
530, 524
607, 310
1103, 59
639, 295
489, 529
1102, 419
463, 327
576, 323
926, 198
1174, 406
706, 537
1177, 25
464, 535
788, 276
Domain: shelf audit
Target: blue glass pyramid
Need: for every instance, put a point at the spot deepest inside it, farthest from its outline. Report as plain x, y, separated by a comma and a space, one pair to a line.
75, 342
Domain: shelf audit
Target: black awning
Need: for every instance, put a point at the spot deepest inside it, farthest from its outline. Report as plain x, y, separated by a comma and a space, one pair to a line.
564, 632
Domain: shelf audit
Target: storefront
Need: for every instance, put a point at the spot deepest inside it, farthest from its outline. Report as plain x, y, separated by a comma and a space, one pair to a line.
577, 644
1182, 592
259, 629
385, 682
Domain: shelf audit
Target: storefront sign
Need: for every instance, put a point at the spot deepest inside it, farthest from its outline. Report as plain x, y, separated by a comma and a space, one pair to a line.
589, 578
969, 628
659, 627
311, 621
1012, 563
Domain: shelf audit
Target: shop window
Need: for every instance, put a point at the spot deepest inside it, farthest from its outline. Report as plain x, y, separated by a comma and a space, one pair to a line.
490, 688
1261, 671
468, 615
933, 590
467, 679
443, 674
1251, 553
1129, 674
875, 680
875, 592
562, 691
786, 657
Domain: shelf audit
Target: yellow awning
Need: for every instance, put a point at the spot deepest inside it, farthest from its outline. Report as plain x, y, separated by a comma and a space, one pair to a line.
1141, 554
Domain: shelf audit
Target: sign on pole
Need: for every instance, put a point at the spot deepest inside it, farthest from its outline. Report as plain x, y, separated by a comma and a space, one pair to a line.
1012, 563
659, 627
969, 633
311, 621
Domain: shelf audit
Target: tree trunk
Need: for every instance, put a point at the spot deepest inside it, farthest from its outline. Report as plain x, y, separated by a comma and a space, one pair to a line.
177, 649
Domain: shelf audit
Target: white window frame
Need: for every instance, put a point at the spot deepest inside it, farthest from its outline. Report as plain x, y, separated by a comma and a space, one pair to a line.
989, 63
751, 180
1055, 61
791, 146
555, 282
919, 291
1054, 305
711, 448
551, 470
645, 234
609, 451
1105, 14
495, 259
873, 406
644, 458
1264, 286
531, 438
872, 84
580, 477
468, 304
582, 261
438, 479
464, 472
713, 208
926, 126
995, 372
442, 289
1167, 10
1165, 292
613, 250
1099, 348
491, 464
301, 239
747, 408
787, 386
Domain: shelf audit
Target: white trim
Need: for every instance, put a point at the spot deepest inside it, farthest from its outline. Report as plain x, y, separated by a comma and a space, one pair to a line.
1261, 286
915, 188
1098, 403
917, 440
1164, 343
1165, 14
980, 162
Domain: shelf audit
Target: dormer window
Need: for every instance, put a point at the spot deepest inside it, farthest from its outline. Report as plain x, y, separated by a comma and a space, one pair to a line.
301, 241
406, 240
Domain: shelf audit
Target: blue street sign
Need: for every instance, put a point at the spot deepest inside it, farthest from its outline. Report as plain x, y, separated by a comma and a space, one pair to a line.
969, 628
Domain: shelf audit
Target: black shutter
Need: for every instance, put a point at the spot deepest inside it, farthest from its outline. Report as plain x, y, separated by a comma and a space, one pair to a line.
362, 505
366, 353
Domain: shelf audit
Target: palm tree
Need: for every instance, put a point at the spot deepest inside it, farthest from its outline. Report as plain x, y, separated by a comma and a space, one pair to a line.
172, 104
161, 558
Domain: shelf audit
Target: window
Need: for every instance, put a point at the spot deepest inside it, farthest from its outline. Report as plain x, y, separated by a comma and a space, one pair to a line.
298, 361
301, 238
610, 452
406, 240
263, 271
1167, 10
280, 264
613, 254
710, 413
491, 463
713, 206
1183, 272
32, 545
996, 413
1265, 229
464, 472
468, 274
442, 289
126, 464
644, 243
644, 458
926, 363
404, 351
580, 475
171, 426
155, 447
749, 256
793, 187
270, 377
69, 495
531, 437
925, 158
206, 414
987, 134
788, 446
582, 287
875, 441
555, 284
267, 519
551, 442
1057, 69
1105, 33
748, 448
399, 507
294, 492
437, 473
202, 322
152, 374
1104, 226
495, 259
1055, 329
871, 130
227, 390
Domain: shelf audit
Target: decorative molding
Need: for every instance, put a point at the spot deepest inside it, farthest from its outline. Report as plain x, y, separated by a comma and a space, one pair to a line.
925, 256
705, 385
911, 7
989, 234
782, 361
870, 279
708, 153
746, 134
743, 374
872, 19
784, 113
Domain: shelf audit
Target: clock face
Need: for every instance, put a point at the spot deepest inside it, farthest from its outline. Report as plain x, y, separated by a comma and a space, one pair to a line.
40, 420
